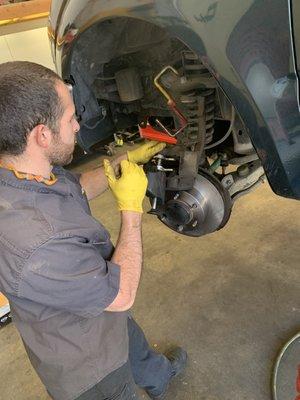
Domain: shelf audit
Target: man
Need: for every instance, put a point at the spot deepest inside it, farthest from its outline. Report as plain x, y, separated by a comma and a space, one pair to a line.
69, 289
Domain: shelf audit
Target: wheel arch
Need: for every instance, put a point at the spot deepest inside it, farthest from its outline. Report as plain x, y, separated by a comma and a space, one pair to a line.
272, 135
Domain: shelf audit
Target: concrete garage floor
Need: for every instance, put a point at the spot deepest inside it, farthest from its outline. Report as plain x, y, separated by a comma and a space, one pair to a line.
230, 298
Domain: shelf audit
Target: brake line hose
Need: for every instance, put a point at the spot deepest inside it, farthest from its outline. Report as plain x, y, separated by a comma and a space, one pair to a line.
226, 134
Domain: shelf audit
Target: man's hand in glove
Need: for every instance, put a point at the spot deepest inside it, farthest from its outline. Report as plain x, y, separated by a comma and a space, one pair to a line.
130, 189
145, 152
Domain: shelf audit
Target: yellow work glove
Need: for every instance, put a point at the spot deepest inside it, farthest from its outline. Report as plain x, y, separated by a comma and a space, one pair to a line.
145, 152
130, 189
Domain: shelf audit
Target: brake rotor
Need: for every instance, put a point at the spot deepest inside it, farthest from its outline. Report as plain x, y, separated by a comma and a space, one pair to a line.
202, 210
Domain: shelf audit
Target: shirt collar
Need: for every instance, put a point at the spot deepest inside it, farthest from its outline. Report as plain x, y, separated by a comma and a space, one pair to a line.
7, 177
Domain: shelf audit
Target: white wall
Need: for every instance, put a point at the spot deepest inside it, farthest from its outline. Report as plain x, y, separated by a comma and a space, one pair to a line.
30, 45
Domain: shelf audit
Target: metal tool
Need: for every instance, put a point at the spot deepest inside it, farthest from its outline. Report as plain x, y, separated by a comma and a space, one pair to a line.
171, 103
148, 132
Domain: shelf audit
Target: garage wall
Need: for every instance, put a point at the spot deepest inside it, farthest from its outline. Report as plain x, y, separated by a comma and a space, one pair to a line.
32, 45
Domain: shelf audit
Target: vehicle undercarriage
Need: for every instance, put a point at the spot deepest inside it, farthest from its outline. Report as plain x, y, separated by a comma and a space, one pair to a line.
131, 78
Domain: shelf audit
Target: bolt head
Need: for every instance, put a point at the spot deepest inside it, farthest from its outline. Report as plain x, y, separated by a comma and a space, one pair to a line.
243, 170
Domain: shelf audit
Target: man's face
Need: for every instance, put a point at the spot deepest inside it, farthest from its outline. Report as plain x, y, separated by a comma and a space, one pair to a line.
62, 146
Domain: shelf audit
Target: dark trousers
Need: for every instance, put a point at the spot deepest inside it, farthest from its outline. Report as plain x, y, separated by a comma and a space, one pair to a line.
145, 368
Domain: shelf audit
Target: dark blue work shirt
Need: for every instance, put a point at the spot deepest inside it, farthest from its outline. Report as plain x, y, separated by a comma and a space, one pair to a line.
55, 269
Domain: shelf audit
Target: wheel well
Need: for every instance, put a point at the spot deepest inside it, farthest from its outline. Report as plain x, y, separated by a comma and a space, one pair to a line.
119, 38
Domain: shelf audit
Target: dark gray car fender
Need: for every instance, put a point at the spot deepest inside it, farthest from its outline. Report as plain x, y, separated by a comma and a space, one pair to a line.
247, 45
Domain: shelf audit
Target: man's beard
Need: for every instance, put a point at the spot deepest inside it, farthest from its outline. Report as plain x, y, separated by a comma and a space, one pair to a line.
60, 153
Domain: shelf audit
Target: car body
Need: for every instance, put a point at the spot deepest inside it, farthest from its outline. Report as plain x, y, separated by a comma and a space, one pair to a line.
226, 66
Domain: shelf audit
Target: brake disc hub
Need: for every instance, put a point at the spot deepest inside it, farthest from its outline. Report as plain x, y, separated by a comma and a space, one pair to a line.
203, 209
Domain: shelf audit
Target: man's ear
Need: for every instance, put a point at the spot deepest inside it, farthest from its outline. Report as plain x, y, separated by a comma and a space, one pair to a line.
41, 135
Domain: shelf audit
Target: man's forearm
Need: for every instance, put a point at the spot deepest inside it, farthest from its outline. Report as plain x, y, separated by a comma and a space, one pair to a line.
129, 255
95, 182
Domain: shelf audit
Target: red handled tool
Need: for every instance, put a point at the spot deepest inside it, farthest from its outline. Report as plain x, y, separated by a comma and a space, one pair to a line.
152, 134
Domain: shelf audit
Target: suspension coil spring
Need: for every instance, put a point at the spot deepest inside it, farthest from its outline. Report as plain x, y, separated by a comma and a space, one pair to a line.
199, 102
190, 100
209, 95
